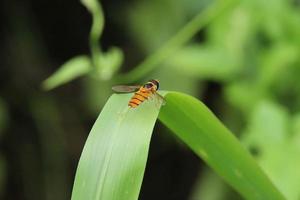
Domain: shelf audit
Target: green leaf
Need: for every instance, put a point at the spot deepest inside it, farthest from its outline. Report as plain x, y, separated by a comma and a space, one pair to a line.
146, 16
70, 70
275, 62
203, 62
110, 63
196, 125
114, 157
113, 161
179, 39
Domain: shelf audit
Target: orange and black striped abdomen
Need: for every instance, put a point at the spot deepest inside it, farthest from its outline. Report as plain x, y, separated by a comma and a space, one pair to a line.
138, 98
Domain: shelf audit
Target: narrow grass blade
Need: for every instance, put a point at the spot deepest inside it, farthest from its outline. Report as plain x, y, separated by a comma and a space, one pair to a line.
195, 124
113, 161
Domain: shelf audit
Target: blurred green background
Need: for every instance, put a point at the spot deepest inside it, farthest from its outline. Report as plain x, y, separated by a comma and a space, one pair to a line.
243, 62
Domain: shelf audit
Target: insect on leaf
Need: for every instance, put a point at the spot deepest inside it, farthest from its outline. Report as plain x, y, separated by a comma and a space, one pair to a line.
114, 157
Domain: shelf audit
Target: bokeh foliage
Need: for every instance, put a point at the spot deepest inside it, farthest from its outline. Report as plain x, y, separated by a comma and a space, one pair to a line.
242, 59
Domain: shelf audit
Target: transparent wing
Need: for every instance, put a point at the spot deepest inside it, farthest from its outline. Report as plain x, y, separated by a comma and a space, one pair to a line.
126, 88
160, 98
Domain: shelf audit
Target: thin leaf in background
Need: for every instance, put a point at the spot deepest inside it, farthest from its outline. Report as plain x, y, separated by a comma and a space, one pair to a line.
205, 63
179, 39
74, 68
110, 63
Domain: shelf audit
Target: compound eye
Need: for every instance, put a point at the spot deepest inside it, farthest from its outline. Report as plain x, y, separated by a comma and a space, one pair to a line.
148, 85
155, 83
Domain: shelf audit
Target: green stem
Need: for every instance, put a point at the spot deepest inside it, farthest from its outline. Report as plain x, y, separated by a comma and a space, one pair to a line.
95, 34
96, 11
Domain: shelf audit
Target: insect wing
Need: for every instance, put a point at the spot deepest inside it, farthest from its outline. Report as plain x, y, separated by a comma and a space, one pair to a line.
125, 88
160, 98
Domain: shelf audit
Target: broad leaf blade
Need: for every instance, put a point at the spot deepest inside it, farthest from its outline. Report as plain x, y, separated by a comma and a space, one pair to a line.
194, 123
114, 157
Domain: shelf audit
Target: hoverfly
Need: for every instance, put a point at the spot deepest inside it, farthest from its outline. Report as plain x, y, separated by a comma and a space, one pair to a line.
142, 92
